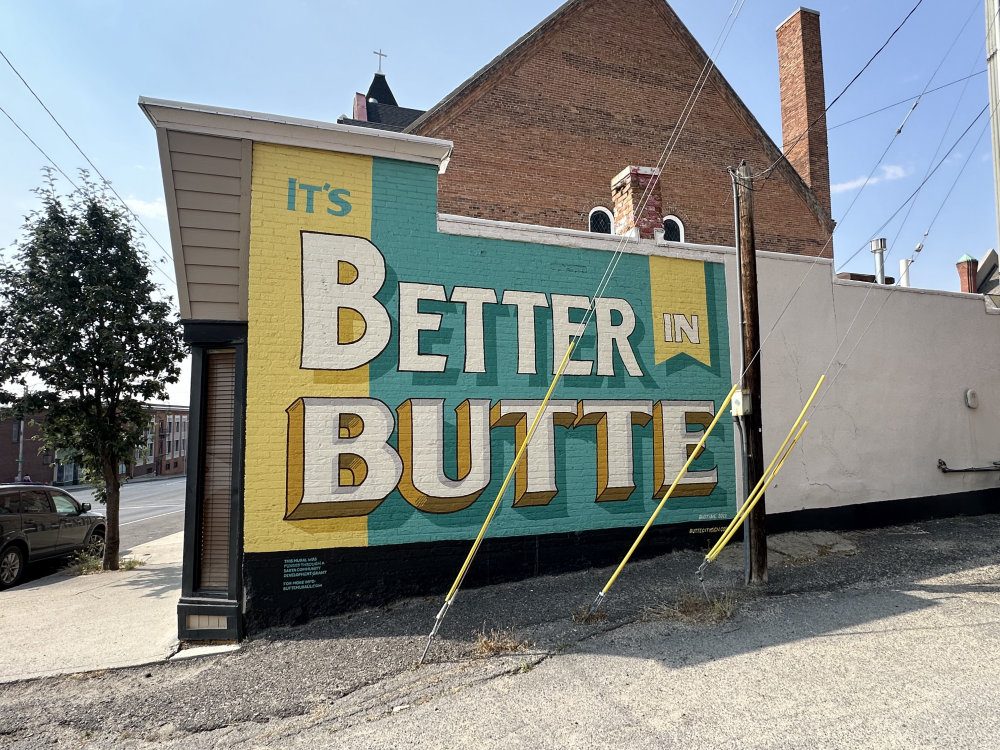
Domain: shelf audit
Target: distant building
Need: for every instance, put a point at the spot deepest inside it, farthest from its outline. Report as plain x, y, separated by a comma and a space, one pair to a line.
20, 443
981, 276
378, 108
165, 450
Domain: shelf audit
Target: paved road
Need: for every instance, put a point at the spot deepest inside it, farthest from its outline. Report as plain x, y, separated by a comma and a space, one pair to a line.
142, 500
150, 510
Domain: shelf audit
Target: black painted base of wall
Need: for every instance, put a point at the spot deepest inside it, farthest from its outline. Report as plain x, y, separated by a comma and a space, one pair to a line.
289, 588
887, 513
356, 577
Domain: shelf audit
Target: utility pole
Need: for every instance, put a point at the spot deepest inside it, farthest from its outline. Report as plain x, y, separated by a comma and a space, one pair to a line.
993, 68
20, 449
20, 437
755, 525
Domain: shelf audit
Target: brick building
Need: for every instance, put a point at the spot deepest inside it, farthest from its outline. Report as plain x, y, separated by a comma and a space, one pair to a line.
546, 132
165, 450
19, 443
374, 314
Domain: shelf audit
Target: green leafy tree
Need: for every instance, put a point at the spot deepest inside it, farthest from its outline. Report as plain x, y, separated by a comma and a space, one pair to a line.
80, 320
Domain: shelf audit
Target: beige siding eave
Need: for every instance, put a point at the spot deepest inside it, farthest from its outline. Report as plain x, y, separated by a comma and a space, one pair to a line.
206, 182
206, 156
293, 131
173, 220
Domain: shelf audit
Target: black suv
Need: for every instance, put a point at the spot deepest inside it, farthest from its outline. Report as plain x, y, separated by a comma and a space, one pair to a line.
37, 522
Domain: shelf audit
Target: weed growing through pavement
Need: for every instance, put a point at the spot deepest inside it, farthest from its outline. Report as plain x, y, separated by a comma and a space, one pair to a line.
84, 563
583, 618
498, 641
693, 610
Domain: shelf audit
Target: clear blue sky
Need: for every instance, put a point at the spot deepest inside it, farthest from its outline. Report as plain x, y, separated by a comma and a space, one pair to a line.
89, 62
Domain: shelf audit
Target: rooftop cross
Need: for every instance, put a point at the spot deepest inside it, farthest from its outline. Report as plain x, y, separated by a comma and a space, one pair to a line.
380, 54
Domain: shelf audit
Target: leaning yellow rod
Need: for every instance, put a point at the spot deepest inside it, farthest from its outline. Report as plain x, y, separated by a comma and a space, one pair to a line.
754, 497
496, 504
765, 478
694, 454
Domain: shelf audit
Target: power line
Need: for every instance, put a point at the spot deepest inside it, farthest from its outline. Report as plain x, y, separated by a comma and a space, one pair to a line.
665, 154
944, 131
937, 150
896, 134
927, 176
833, 359
767, 172
907, 100
895, 286
40, 149
957, 178
59, 169
872, 58
107, 182
919, 187
826, 244
913, 255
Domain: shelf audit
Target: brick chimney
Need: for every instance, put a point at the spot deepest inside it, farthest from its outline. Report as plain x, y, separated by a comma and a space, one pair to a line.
360, 108
803, 100
968, 267
627, 190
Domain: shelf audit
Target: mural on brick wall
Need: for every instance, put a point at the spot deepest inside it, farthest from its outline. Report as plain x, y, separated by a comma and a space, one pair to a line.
393, 371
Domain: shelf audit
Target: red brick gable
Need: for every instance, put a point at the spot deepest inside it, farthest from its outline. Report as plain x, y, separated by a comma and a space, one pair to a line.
597, 86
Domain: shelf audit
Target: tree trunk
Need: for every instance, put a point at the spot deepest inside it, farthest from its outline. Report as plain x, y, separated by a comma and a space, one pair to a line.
112, 542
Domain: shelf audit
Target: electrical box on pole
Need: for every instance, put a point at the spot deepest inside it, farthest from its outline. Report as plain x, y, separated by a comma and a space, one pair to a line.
755, 526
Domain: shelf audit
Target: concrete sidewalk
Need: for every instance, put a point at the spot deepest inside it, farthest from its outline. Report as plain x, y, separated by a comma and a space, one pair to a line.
63, 624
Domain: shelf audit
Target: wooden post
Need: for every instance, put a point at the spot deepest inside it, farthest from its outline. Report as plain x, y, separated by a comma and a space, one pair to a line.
755, 526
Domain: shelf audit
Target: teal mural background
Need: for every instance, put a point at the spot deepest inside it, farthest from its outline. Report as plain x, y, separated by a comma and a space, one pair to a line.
404, 228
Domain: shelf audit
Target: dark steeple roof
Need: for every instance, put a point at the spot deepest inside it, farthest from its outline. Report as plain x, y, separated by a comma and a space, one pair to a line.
385, 117
380, 91
380, 109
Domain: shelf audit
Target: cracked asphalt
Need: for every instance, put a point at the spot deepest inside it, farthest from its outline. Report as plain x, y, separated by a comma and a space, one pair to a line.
876, 639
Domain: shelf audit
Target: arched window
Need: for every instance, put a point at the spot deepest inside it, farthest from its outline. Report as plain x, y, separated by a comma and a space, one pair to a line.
601, 221
673, 229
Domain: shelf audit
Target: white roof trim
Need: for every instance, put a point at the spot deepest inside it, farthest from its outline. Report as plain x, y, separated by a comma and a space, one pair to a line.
575, 238
293, 131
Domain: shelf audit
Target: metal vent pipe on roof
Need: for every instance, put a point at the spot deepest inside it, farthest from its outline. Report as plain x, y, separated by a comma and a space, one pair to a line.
904, 271
878, 248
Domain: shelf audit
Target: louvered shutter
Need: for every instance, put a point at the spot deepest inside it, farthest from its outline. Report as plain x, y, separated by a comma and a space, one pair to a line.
217, 468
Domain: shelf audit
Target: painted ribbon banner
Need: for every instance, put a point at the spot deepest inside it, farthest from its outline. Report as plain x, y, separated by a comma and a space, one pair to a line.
402, 367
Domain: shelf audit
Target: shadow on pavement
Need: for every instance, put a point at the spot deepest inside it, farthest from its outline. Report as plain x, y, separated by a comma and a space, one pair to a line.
39, 573
155, 581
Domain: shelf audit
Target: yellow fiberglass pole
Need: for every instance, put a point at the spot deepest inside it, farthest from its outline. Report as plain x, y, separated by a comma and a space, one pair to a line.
694, 454
761, 483
496, 503
752, 501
